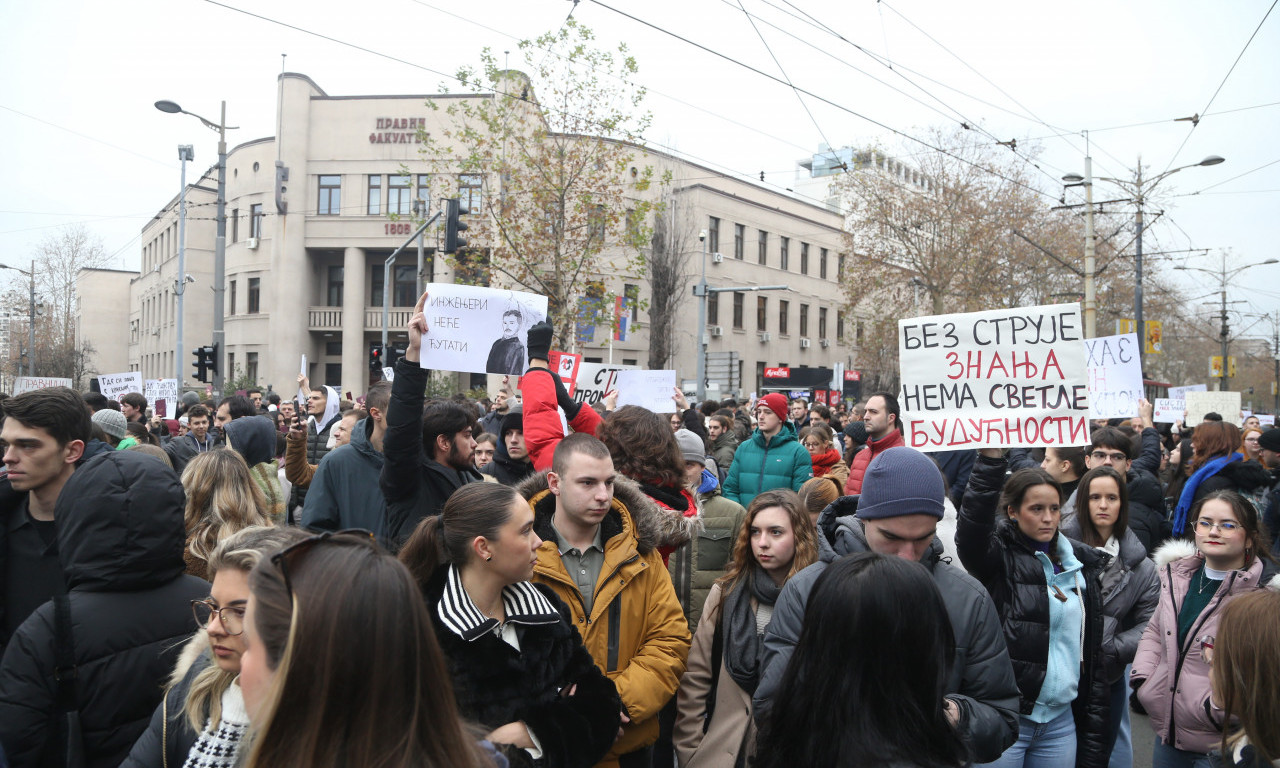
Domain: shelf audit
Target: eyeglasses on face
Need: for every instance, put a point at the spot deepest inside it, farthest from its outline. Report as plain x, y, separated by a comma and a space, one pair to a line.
1226, 526
1104, 456
232, 617
281, 559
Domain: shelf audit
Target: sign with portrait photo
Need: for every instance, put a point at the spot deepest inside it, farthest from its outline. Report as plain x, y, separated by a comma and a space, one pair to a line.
479, 330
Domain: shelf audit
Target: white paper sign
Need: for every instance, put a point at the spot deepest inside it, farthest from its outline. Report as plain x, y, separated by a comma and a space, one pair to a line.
595, 380
389, 374
1168, 410
1180, 393
115, 385
31, 383
162, 389
994, 379
647, 389
303, 395
1115, 376
479, 330
1225, 404
1266, 419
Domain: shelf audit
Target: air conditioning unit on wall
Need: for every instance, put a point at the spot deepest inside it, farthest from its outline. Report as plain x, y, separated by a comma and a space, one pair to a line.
717, 330
717, 258
765, 336
825, 343
805, 343
251, 243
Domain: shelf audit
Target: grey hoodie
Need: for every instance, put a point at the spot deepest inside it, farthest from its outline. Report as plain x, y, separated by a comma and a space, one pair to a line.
981, 682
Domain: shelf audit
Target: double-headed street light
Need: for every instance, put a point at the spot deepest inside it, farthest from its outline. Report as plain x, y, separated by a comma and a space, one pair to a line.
1224, 276
220, 244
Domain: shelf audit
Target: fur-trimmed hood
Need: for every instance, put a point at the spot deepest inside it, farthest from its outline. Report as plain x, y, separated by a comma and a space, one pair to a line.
1179, 549
652, 526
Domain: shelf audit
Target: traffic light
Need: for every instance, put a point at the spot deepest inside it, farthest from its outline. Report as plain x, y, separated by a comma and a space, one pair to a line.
211, 358
201, 371
453, 211
375, 357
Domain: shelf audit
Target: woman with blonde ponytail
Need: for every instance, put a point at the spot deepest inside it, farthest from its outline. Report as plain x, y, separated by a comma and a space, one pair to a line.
222, 499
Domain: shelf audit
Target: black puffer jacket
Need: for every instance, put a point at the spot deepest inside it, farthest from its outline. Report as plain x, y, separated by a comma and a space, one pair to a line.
169, 737
120, 539
1148, 514
998, 555
505, 469
495, 684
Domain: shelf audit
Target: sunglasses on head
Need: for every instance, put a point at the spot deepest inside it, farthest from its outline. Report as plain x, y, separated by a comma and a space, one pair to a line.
349, 536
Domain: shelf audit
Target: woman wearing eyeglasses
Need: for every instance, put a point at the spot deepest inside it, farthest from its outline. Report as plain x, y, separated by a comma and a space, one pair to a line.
1170, 672
518, 665
340, 666
202, 717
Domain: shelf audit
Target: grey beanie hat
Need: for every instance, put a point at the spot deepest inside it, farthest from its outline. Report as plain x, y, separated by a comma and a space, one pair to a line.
691, 446
112, 422
901, 481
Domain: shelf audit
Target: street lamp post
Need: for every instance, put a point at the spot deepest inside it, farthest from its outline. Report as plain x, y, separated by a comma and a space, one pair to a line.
220, 243
31, 330
1090, 260
701, 292
185, 153
1224, 276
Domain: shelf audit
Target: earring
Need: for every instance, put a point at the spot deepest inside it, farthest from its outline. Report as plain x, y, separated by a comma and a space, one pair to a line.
487, 559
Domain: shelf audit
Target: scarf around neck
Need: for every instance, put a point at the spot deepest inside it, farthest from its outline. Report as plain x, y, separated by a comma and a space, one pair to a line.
1210, 468
822, 464
742, 645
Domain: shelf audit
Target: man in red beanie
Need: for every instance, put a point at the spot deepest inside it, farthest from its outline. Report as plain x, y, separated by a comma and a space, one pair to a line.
771, 458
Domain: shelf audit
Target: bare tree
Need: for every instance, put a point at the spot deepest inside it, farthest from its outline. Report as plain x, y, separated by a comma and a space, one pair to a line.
669, 275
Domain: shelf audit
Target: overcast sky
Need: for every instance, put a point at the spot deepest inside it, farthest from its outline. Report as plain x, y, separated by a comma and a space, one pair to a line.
83, 142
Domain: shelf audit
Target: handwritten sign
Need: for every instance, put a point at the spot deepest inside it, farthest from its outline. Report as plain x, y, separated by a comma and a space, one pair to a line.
1225, 404
647, 389
31, 383
994, 379
1180, 393
479, 330
1266, 419
1168, 410
116, 385
163, 391
565, 364
595, 380
1115, 376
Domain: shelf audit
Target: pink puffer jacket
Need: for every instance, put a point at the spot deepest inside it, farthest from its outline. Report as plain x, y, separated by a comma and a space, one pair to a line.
1175, 682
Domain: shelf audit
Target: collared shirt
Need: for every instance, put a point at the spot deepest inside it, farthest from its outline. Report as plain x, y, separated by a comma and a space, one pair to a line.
33, 572
521, 602
583, 567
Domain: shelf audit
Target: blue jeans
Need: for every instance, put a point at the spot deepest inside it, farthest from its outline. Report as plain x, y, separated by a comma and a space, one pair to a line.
1165, 756
1042, 745
1122, 745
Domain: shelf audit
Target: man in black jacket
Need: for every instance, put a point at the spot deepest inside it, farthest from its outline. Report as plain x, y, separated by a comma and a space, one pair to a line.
120, 538
427, 452
44, 435
511, 462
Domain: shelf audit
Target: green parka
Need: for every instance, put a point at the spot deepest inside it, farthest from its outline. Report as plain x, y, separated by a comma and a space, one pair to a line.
761, 465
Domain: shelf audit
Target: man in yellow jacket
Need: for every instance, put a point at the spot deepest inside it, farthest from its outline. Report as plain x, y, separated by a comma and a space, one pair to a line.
598, 553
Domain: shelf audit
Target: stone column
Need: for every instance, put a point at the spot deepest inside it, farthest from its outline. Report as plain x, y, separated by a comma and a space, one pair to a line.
355, 350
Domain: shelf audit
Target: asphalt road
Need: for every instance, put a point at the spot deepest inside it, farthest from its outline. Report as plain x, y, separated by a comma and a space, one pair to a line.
1144, 739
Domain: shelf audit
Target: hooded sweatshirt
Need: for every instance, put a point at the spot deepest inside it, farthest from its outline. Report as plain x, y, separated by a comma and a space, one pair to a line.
120, 538
254, 438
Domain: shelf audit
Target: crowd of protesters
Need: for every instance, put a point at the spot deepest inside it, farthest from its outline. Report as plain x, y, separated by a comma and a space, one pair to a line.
394, 580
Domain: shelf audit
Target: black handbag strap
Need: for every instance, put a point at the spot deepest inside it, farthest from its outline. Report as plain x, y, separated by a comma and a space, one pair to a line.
64, 671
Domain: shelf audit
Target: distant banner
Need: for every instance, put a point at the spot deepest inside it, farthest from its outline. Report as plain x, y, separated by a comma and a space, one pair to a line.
647, 389
116, 385
1168, 410
994, 379
30, 383
479, 330
162, 396
1115, 376
1225, 404
595, 380
1180, 393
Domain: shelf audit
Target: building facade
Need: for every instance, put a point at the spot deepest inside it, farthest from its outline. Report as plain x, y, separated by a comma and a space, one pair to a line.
305, 258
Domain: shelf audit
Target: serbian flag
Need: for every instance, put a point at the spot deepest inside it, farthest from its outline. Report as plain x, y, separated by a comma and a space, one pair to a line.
621, 318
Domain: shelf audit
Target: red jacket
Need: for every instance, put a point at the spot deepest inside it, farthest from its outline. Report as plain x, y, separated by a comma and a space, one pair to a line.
543, 425
863, 458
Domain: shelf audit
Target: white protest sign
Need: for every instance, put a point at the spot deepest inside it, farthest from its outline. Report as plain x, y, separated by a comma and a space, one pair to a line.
1115, 376
303, 395
595, 380
1180, 393
479, 330
30, 383
994, 379
163, 390
115, 385
647, 389
388, 374
1168, 410
1225, 404
1266, 419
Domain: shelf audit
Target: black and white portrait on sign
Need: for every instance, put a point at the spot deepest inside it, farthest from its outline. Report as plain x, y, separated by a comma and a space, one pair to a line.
479, 330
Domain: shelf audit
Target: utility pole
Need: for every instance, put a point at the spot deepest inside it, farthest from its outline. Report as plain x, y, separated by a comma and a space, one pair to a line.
1275, 351
1090, 253
185, 153
1137, 284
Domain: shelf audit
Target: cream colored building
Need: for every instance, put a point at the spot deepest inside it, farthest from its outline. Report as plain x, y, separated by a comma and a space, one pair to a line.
103, 298
307, 280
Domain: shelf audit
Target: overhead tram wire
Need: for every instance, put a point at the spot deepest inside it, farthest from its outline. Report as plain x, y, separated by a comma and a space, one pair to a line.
821, 98
87, 136
1233, 178
1195, 122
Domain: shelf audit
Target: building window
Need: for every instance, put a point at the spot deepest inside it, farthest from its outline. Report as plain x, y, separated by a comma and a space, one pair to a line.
804, 320
471, 193
713, 235
840, 268
255, 220
739, 299
632, 294
713, 308
235, 225
822, 322
255, 292
599, 223
330, 196
804, 258
762, 313
333, 374
423, 187
739, 240
231, 364
231, 298
333, 348
334, 297
374, 207
399, 195
840, 327
251, 366
784, 255
784, 307
822, 263
763, 256
858, 329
